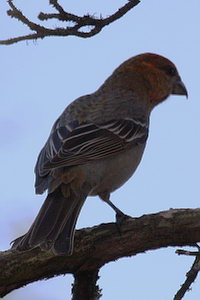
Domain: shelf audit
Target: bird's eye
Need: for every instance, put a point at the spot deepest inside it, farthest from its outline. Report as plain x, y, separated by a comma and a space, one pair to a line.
170, 71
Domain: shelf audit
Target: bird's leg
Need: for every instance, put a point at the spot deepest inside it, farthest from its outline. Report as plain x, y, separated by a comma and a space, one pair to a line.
120, 216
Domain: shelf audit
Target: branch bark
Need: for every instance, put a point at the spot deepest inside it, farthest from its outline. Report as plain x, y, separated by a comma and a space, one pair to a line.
85, 287
99, 245
76, 29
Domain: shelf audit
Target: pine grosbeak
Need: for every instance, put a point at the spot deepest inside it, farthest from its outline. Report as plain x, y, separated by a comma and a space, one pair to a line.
95, 146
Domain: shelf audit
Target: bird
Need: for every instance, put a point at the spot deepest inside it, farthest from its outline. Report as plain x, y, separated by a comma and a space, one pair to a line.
95, 146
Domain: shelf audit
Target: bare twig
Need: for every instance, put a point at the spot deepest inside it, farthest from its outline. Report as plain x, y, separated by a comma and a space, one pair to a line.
188, 253
191, 274
78, 22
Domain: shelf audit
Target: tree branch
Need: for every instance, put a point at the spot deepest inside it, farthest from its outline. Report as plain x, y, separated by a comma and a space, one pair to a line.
78, 22
84, 287
191, 274
101, 244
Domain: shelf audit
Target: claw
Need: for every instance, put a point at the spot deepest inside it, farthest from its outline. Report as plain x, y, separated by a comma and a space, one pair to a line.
121, 218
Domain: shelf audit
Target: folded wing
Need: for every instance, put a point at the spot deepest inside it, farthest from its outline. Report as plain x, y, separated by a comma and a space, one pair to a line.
76, 144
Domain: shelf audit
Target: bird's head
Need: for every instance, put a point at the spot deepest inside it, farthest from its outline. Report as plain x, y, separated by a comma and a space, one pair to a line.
152, 76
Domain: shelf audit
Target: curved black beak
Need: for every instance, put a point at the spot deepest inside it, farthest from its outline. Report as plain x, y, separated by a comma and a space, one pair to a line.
179, 88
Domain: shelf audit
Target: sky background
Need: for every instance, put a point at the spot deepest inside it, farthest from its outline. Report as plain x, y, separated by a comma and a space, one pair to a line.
39, 79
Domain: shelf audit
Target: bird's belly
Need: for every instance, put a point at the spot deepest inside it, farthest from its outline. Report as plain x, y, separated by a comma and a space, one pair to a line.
114, 172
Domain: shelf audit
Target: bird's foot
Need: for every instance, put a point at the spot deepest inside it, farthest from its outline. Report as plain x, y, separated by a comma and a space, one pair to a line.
120, 219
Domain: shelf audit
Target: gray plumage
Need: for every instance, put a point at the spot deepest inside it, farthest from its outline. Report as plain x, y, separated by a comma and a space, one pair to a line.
91, 148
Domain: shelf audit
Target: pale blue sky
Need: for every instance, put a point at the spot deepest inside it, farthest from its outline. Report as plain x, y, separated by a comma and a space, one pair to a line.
39, 79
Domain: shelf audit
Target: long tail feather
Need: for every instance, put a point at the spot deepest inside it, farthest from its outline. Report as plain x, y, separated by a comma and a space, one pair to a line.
53, 228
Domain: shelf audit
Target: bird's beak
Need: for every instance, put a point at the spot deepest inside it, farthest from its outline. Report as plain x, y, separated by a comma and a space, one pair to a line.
179, 88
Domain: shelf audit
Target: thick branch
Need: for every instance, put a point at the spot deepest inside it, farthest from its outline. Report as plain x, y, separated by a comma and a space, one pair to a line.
85, 287
78, 22
101, 244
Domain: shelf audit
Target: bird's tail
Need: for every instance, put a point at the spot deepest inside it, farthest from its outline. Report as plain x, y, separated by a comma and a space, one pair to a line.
53, 228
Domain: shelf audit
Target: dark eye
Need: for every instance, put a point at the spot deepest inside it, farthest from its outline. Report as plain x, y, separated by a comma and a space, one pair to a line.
170, 71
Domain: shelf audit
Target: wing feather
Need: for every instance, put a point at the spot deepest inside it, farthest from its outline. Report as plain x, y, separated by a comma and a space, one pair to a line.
76, 143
